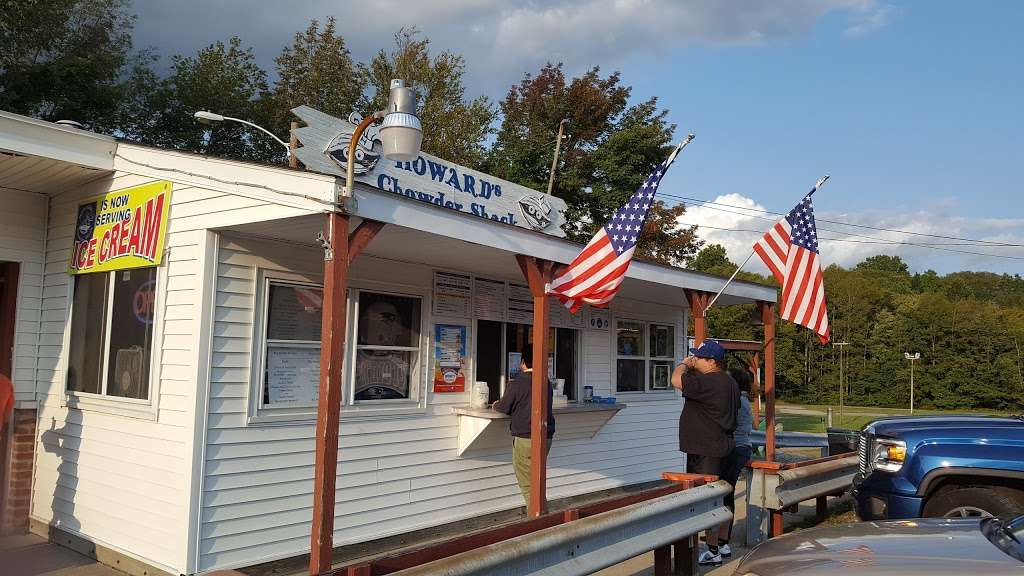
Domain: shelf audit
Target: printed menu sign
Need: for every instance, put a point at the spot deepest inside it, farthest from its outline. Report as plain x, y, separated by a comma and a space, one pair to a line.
490, 299
449, 358
520, 304
293, 375
452, 294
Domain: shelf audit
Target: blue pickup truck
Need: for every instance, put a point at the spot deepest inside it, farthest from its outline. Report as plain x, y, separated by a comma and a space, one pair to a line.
940, 466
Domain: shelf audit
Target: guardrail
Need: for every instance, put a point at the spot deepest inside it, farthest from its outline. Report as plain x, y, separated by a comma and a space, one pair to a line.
775, 487
597, 542
793, 440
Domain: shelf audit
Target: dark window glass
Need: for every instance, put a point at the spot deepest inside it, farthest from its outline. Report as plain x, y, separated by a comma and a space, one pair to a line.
629, 376
387, 347
131, 333
88, 332
294, 312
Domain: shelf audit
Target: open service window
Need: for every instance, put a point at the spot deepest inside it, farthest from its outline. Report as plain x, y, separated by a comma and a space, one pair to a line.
111, 337
645, 356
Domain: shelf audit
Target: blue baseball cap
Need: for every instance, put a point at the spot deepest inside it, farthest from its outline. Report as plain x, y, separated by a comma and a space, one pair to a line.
709, 349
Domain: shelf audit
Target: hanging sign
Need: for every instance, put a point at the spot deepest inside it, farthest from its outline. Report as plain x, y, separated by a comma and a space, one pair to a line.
121, 230
600, 319
520, 304
428, 179
490, 298
449, 358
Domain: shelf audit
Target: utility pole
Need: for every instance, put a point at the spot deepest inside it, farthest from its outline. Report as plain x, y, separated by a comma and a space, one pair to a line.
842, 355
913, 358
554, 161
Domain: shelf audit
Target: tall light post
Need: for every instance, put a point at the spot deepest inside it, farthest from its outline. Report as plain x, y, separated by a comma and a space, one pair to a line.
554, 161
913, 358
401, 135
841, 346
213, 119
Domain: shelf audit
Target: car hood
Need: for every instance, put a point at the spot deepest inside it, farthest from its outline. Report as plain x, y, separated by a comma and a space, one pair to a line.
897, 426
906, 547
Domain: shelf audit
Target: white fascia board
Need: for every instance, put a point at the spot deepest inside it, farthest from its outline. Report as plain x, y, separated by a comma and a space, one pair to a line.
278, 185
374, 204
31, 137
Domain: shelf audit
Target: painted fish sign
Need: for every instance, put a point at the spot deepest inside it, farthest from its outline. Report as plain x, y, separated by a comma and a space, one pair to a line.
428, 179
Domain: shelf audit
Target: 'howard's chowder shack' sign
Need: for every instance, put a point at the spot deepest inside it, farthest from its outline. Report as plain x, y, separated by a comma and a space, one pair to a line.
427, 179
121, 229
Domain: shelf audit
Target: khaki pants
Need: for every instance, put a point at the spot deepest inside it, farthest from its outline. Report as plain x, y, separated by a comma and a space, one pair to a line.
521, 463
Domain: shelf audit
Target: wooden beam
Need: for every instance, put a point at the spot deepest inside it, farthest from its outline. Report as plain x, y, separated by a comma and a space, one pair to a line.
754, 366
361, 237
332, 355
698, 301
768, 317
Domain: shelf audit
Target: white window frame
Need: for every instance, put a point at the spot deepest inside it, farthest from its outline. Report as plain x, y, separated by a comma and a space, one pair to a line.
417, 401
258, 413
102, 402
647, 356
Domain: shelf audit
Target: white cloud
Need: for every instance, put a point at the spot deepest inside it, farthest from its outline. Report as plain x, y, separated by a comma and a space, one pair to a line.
848, 245
502, 39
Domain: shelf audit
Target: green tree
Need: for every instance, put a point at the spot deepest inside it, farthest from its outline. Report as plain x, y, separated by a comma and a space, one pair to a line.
68, 60
609, 148
316, 70
222, 78
711, 259
454, 128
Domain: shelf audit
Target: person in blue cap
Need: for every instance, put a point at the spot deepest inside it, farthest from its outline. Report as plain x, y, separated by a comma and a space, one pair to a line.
706, 423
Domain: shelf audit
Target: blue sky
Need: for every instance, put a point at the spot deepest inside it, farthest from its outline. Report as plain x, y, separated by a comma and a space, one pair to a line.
911, 107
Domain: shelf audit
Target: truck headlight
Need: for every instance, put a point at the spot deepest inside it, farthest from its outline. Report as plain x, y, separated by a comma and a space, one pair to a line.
888, 455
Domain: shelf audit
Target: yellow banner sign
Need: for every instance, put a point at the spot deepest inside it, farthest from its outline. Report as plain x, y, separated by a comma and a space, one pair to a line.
122, 229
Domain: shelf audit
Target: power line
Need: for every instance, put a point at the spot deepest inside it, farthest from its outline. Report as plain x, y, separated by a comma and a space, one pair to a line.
712, 204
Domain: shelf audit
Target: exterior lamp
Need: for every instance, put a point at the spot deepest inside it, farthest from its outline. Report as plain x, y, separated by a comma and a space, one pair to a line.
213, 119
401, 132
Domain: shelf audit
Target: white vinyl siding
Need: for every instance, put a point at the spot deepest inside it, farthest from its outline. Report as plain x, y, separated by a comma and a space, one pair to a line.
22, 231
395, 473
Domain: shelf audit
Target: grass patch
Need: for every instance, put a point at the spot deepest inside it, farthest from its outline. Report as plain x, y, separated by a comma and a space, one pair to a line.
841, 513
811, 423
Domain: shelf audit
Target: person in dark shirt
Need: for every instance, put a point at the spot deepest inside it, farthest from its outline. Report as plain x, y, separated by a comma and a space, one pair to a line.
517, 402
708, 418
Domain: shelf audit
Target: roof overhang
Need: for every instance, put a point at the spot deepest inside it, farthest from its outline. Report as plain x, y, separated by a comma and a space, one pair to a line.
43, 157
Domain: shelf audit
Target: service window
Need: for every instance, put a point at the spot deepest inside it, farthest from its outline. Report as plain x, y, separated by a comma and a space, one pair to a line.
387, 365
645, 356
111, 340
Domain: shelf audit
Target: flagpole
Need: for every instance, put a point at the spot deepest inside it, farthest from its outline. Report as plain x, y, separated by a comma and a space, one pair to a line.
679, 148
817, 186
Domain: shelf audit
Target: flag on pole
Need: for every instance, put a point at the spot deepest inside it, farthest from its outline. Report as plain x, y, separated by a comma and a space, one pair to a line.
790, 250
594, 276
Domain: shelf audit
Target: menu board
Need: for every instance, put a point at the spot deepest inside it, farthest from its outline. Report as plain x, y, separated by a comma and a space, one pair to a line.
600, 319
293, 375
490, 299
520, 304
452, 294
562, 317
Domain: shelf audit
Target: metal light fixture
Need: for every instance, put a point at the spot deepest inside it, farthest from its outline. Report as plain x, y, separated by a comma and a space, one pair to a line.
401, 132
213, 119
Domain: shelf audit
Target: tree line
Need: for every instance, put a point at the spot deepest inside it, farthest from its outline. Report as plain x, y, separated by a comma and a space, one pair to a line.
968, 328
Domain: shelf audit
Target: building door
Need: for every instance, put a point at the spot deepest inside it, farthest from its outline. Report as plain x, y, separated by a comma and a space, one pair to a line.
488, 356
8, 301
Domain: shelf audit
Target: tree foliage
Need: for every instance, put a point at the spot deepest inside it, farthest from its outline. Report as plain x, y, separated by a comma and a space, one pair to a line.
609, 148
967, 326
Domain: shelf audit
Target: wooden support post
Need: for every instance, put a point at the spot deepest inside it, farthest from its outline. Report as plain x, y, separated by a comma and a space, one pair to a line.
571, 515
360, 570
538, 274
342, 250
775, 528
754, 366
698, 303
821, 508
686, 556
293, 144
768, 317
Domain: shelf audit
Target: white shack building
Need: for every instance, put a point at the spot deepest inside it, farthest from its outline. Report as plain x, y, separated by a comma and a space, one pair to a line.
169, 407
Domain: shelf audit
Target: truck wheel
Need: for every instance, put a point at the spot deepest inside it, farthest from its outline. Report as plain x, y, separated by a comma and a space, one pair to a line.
974, 502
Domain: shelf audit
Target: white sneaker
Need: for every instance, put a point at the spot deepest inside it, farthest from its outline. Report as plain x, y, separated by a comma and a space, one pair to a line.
708, 559
725, 551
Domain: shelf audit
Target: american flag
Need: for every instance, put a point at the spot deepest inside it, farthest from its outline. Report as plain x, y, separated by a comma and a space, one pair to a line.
594, 276
790, 250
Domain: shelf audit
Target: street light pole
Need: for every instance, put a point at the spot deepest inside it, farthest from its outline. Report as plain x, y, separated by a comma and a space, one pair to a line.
913, 358
211, 118
554, 162
841, 346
